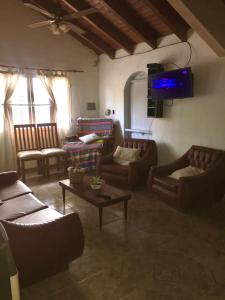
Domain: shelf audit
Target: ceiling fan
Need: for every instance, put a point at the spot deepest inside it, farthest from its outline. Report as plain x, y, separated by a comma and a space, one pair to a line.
58, 23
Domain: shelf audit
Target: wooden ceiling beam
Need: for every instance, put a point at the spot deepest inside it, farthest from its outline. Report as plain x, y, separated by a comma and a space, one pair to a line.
207, 19
133, 20
101, 23
169, 16
88, 39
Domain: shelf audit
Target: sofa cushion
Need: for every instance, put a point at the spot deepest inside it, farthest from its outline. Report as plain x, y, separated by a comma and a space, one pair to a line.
115, 169
41, 216
53, 152
31, 154
20, 206
188, 171
122, 162
10, 191
170, 184
118, 180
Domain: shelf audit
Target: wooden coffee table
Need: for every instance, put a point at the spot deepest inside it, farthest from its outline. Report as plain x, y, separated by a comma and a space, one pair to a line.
108, 195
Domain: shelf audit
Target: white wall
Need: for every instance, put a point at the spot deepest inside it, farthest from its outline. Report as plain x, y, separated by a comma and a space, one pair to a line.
39, 48
199, 120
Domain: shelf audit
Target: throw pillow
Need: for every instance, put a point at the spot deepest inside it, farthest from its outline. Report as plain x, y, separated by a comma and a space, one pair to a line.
89, 138
123, 155
188, 171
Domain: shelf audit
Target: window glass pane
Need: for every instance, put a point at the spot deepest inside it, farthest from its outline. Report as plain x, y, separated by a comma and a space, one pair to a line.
41, 102
19, 101
42, 114
60, 90
20, 94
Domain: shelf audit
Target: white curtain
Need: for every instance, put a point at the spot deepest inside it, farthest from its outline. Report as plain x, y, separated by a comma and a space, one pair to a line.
59, 91
7, 150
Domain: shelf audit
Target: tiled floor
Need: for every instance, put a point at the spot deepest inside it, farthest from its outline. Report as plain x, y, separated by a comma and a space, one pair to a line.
160, 254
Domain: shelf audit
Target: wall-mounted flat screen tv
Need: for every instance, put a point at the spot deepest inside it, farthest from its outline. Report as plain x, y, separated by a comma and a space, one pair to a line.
171, 85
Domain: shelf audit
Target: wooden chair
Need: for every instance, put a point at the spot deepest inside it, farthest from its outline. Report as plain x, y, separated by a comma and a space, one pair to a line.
49, 145
27, 148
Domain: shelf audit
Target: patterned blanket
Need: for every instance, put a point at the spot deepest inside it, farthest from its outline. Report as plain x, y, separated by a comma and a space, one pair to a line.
100, 126
83, 154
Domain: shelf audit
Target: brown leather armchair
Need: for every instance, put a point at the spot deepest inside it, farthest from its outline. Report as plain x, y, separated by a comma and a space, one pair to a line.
191, 192
136, 172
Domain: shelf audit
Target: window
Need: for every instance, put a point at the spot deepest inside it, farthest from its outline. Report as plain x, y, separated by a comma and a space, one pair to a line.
30, 102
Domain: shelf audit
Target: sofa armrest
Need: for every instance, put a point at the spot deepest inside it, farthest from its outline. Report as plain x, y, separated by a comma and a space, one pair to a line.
138, 170
7, 178
203, 189
140, 165
106, 159
38, 248
166, 170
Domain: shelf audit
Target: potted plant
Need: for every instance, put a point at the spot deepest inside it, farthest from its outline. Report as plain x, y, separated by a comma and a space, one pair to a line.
96, 182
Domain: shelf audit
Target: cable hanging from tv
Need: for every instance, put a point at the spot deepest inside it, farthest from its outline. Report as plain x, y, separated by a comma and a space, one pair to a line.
164, 46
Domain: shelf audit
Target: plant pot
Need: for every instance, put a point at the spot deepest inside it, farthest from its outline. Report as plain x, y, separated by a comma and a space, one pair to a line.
76, 175
96, 186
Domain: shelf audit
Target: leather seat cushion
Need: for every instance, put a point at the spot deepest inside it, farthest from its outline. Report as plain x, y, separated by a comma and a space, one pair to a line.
165, 193
115, 180
115, 169
168, 183
35, 154
41, 216
16, 189
53, 152
20, 206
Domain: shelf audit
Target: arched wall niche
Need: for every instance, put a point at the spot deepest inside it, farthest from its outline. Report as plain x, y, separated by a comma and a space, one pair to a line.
135, 103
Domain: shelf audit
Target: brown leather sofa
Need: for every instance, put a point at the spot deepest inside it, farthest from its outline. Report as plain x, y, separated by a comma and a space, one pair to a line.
191, 192
136, 172
42, 240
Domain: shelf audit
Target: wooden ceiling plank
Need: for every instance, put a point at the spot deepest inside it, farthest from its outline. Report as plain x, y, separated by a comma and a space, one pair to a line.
207, 20
89, 38
99, 43
102, 24
86, 43
131, 17
167, 15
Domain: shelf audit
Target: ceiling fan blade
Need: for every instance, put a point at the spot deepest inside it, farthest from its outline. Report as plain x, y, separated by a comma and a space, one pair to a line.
79, 14
75, 28
40, 24
40, 10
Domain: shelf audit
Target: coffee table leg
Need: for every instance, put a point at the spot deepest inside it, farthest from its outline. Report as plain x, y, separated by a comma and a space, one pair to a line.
100, 218
64, 198
125, 210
